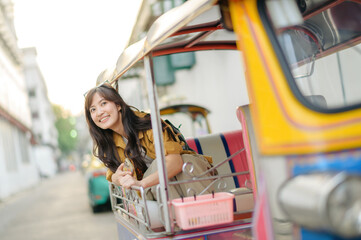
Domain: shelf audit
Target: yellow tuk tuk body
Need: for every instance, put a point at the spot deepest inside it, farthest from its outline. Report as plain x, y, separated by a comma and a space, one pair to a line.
308, 137
300, 134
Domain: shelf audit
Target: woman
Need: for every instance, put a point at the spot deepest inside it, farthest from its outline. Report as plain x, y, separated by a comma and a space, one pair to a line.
121, 133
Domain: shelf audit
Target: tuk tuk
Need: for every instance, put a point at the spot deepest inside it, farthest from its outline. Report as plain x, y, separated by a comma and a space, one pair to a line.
189, 118
98, 189
293, 167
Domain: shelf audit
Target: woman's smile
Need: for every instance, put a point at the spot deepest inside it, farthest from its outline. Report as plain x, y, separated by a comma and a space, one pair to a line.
104, 119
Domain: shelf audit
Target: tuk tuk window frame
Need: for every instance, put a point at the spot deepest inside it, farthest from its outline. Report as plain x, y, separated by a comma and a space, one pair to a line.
268, 26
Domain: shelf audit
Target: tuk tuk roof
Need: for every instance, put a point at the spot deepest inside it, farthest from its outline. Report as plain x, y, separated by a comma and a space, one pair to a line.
181, 29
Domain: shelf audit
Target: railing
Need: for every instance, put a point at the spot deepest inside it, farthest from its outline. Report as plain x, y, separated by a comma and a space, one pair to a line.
130, 204
132, 208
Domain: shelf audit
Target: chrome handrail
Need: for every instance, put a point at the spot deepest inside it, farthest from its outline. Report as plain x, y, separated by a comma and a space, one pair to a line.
131, 196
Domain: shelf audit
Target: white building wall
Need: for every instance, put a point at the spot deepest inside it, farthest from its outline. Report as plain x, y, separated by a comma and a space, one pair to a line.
13, 97
17, 167
17, 172
131, 91
216, 82
42, 116
45, 159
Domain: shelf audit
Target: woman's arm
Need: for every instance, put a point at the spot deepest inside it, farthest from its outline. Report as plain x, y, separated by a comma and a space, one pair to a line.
174, 165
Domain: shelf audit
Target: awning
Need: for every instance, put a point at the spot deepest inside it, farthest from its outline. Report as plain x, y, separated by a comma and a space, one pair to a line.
181, 29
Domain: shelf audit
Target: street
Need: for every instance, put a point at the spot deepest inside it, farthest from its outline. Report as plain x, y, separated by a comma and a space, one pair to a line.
56, 209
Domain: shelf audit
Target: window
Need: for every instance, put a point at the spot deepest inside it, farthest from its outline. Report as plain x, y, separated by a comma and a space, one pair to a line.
165, 66
324, 56
32, 93
8, 146
24, 147
35, 115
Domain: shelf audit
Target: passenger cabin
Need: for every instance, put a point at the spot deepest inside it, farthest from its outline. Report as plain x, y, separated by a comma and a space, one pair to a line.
301, 130
185, 29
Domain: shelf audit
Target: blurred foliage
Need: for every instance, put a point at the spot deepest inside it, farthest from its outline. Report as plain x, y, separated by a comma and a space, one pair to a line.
67, 133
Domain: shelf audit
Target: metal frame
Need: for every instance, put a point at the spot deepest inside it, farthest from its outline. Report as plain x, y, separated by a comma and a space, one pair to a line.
165, 27
138, 225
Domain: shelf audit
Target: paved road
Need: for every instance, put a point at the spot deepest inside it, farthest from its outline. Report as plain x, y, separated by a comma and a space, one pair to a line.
56, 209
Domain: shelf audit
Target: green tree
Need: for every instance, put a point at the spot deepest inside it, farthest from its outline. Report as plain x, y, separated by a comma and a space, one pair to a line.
67, 133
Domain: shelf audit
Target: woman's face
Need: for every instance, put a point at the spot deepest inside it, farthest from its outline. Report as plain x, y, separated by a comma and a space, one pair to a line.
105, 114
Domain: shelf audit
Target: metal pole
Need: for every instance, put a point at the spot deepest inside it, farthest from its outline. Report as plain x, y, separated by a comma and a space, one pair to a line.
342, 82
158, 142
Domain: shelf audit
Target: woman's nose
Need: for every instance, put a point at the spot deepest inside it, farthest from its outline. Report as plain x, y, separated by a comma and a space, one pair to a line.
99, 111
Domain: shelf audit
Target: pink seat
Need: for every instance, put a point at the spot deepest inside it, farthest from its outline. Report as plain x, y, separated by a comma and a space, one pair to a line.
242, 119
220, 146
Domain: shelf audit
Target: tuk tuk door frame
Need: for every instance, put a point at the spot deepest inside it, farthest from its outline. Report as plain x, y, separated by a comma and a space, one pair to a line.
162, 190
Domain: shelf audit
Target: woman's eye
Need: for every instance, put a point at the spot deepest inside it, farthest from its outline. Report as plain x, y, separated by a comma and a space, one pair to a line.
92, 110
103, 103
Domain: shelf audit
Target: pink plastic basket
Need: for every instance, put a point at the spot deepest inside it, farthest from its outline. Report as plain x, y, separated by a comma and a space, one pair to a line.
203, 211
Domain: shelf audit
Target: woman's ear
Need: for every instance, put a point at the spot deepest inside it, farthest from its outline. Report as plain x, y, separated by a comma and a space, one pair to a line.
119, 108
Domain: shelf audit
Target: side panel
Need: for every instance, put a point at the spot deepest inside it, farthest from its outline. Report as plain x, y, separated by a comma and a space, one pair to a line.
291, 139
282, 124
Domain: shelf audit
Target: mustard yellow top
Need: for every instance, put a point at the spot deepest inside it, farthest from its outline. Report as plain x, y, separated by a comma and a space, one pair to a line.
146, 139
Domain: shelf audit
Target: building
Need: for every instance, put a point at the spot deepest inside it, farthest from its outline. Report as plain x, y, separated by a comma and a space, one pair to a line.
42, 115
18, 169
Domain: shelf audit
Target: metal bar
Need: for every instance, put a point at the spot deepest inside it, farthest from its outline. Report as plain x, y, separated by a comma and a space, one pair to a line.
158, 142
132, 216
341, 78
198, 38
215, 25
112, 197
141, 203
185, 170
196, 234
196, 179
229, 45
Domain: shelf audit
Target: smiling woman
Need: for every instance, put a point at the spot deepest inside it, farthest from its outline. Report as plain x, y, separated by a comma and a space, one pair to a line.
122, 134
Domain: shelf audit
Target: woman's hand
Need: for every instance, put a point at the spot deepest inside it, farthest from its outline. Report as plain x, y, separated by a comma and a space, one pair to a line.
124, 178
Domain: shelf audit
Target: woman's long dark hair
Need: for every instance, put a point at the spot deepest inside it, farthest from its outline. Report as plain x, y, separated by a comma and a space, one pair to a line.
104, 146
